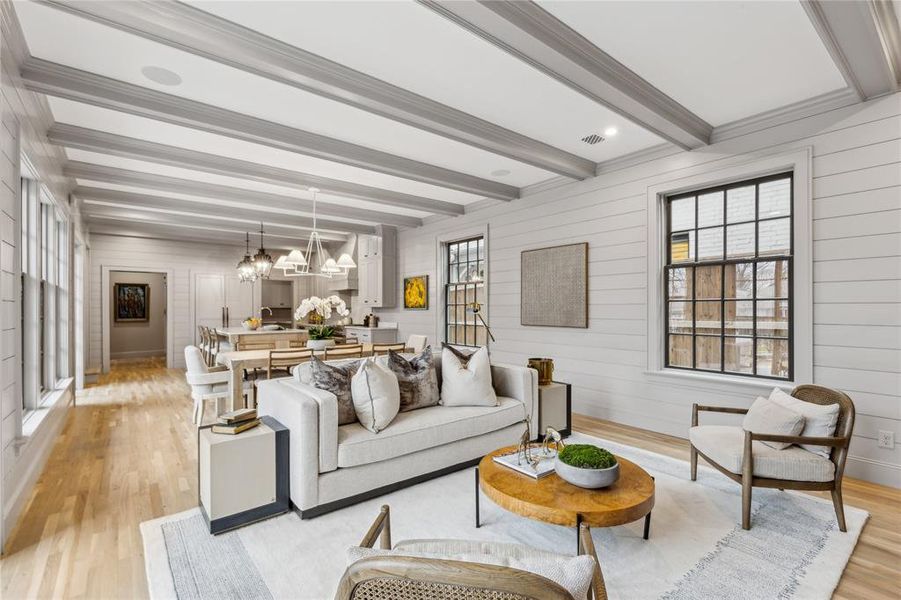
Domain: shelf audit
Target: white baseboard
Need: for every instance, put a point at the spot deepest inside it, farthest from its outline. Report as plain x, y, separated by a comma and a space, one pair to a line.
138, 354
874, 471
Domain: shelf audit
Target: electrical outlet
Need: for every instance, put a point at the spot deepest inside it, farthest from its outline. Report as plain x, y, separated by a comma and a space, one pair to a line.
886, 439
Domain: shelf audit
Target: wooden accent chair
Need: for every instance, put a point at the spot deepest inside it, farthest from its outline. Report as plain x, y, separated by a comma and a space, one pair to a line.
344, 351
284, 360
379, 349
409, 578
749, 448
256, 346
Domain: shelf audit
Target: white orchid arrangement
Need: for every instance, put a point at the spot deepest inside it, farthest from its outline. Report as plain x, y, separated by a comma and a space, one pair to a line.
322, 307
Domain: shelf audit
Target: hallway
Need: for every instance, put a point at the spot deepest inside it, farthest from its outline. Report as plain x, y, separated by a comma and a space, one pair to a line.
126, 455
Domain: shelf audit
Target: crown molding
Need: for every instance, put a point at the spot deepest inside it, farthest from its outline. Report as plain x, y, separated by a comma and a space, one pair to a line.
193, 30
72, 136
58, 80
152, 181
535, 36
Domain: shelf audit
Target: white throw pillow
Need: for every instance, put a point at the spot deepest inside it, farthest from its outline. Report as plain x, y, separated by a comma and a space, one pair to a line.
819, 419
376, 395
768, 417
573, 573
469, 383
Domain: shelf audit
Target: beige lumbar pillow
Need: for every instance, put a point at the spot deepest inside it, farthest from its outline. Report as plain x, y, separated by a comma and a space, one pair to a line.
466, 383
819, 419
768, 417
376, 395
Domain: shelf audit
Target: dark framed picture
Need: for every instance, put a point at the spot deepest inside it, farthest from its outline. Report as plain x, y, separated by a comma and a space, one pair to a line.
131, 302
416, 292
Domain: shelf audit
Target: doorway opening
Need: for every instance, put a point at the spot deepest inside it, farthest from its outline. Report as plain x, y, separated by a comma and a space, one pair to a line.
136, 315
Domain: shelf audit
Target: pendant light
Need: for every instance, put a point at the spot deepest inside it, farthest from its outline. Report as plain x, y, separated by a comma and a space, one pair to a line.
262, 262
302, 263
246, 271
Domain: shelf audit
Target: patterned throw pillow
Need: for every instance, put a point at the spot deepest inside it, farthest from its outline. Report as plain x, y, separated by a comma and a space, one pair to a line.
461, 355
336, 379
417, 379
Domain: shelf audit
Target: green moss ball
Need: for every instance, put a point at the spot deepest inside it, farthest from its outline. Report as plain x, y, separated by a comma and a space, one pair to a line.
587, 456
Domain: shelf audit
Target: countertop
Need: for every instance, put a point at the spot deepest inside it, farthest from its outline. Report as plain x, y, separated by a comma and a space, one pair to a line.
242, 331
367, 328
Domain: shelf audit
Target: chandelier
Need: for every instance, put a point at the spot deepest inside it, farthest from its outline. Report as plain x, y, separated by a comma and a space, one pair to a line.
246, 271
262, 262
300, 264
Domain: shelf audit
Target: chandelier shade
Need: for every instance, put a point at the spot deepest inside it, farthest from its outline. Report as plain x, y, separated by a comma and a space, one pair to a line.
262, 262
246, 269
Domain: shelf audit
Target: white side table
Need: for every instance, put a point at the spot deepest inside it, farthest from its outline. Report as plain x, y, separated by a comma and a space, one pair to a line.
243, 478
555, 408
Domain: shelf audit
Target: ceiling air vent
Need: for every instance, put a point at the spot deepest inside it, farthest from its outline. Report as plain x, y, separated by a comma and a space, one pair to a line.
592, 139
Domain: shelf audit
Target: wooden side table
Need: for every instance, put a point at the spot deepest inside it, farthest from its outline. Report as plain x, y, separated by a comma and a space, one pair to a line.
555, 408
243, 478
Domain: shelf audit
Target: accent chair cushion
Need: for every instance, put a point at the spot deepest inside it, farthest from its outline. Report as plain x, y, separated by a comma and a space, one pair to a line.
466, 382
768, 417
819, 419
417, 379
429, 427
573, 573
376, 395
724, 445
336, 378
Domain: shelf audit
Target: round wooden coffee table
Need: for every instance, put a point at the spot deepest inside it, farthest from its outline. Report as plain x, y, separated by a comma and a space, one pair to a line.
552, 500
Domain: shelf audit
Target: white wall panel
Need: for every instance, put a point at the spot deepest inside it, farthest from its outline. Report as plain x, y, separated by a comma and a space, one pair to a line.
857, 277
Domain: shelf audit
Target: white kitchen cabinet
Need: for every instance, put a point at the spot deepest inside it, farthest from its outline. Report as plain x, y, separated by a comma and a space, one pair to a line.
221, 300
372, 335
377, 266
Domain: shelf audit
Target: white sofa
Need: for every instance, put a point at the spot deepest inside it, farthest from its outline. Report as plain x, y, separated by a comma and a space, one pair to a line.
334, 466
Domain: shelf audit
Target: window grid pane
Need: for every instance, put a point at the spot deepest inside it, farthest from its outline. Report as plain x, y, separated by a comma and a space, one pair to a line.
728, 279
465, 276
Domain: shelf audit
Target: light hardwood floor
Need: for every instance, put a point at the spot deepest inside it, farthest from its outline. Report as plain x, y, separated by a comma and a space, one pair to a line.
127, 454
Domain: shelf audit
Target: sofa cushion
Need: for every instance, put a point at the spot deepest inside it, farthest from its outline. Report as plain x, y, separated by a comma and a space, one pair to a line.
768, 417
424, 428
336, 378
573, 573
417, 379
725, 445
376, 395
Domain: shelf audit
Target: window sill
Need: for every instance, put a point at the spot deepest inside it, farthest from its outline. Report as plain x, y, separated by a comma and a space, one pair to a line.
32, 419
705, 380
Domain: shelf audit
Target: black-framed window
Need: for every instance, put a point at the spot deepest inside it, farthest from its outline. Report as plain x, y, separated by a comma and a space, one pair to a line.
728, 279
464, 284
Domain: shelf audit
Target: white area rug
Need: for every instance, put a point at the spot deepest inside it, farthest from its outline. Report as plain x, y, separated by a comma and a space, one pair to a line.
697, 549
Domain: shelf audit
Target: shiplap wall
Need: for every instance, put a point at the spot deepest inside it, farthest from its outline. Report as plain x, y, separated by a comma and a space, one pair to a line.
856, 271
184, 259
24, 118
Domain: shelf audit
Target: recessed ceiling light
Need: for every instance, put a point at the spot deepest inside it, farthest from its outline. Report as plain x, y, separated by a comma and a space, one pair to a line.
160, 75
500, 173
611, 131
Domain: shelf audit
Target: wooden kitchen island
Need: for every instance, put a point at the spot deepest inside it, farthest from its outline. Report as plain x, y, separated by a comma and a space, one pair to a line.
237, 336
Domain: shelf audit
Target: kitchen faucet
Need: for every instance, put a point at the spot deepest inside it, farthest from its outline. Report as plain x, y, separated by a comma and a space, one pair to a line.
262, 308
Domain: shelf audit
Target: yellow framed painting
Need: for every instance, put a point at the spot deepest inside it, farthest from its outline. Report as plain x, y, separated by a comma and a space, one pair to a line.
416, 292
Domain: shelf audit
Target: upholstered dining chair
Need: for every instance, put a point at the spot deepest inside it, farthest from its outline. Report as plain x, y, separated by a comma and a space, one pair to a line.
204, 342
417, 343
344, 351
379, 349
207, 383
392, 575
741, 455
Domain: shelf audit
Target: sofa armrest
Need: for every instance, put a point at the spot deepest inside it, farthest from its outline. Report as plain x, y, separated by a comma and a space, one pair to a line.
521, 383
312, 420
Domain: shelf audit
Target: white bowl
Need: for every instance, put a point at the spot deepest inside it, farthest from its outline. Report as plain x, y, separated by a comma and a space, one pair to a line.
586, 478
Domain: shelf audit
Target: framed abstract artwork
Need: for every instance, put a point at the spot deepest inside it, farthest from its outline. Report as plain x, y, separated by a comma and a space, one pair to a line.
554, 286
131, 302
416, 292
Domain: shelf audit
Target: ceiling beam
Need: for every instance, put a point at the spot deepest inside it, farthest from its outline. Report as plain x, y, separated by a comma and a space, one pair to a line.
58, 80
193, 30
536, 37
285, 235
92, 140
863, 40
256, 199
118, 226
211, 210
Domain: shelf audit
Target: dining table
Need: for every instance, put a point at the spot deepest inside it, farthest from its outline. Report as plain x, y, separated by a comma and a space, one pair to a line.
239, 361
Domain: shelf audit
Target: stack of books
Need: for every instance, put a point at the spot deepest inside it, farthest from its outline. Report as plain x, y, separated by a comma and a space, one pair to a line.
236, 421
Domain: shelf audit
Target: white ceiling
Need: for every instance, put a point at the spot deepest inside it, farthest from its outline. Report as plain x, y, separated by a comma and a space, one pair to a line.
722, 61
